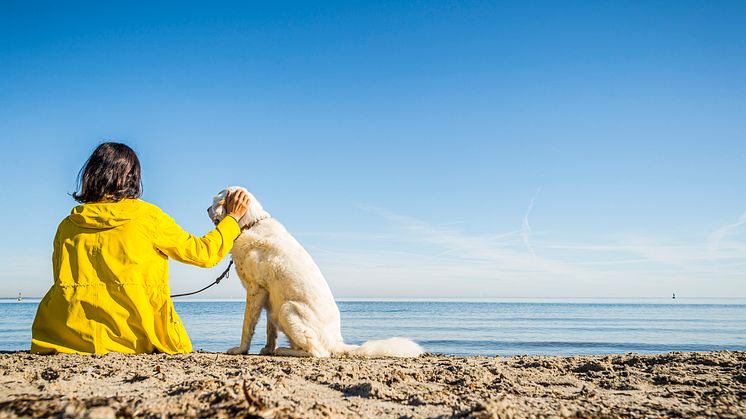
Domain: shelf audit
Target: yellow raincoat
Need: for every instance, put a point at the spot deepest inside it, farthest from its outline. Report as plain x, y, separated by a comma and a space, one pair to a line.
110, 291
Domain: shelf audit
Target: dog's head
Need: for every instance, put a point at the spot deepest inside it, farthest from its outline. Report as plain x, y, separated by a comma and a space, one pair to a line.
217, 210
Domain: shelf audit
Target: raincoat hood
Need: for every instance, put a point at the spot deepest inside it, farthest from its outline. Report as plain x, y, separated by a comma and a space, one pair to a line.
103, 215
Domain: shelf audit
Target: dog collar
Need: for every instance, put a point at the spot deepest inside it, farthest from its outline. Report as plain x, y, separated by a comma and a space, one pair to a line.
253, 224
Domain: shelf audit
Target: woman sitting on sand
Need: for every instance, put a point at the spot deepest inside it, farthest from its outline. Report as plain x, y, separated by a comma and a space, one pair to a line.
110, 265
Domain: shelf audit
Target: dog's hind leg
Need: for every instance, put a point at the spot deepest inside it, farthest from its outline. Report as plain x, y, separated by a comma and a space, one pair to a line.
296, 321
255, 300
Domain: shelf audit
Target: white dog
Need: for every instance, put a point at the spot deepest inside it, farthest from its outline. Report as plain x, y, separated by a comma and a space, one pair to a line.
281, 277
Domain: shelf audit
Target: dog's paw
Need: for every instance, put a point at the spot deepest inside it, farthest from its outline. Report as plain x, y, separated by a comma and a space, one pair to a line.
236, 351
267, 351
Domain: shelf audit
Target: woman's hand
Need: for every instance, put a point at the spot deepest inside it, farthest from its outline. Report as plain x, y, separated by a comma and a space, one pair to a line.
237, 203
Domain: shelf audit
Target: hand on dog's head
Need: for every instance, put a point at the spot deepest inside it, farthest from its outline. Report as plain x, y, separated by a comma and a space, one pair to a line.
217, 211
254, 210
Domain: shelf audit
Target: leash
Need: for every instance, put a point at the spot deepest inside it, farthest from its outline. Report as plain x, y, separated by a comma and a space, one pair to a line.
217, 281
225, 272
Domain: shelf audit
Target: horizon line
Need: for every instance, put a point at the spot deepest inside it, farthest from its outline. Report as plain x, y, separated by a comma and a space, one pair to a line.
447, 299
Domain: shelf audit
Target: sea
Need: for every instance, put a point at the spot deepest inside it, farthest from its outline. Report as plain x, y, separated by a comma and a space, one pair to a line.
486, 327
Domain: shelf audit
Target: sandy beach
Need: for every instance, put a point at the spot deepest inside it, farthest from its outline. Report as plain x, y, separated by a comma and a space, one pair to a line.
211, 384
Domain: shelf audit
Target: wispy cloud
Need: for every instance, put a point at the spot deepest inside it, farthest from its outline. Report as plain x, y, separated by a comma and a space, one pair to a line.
432, 260
717, 238
526, 226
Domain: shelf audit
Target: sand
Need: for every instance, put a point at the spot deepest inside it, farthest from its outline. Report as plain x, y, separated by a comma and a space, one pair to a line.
219, 385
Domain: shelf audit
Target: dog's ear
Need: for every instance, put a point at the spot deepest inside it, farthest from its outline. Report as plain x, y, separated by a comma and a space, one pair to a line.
219, 199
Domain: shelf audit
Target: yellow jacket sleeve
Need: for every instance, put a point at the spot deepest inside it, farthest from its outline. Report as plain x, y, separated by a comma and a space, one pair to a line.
206, 251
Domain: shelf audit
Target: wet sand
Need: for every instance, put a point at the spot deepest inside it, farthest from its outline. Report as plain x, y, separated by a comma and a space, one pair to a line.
219, 385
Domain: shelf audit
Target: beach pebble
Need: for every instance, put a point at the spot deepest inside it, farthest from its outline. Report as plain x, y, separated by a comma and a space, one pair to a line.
564, 412
50, 374
590, 366
101, 412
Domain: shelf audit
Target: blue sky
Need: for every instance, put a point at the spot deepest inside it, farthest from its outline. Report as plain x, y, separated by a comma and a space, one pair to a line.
417, 149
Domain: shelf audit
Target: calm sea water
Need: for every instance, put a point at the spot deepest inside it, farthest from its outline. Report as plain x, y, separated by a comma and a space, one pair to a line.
542, 327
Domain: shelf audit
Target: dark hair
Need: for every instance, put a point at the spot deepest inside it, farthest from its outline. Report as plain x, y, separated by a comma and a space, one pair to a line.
112, 172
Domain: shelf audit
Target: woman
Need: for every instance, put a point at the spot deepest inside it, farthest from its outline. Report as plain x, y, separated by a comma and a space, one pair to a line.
110, 265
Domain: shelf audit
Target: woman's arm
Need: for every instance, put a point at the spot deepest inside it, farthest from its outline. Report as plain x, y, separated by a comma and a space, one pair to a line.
209, 250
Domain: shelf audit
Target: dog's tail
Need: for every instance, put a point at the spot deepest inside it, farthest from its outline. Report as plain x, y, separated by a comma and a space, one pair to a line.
394, 347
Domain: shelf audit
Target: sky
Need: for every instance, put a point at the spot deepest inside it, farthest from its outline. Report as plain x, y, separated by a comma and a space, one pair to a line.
416, 149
